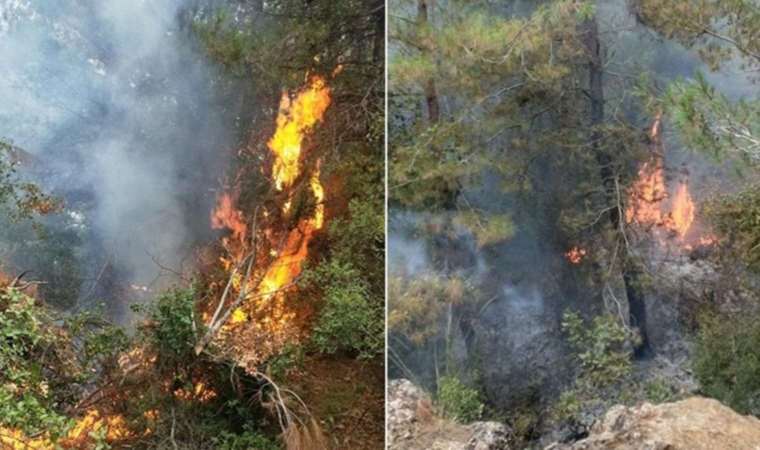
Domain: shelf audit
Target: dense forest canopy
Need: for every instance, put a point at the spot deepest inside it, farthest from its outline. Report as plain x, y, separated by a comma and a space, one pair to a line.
552, 163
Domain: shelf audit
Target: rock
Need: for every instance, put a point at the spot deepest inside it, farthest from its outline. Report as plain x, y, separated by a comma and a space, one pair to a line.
413, 425
488, 436
693, 424
406, 402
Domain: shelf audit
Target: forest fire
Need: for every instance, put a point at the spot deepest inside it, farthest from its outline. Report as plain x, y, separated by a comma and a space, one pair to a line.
649, 202
276, 255
114, 429
296, 118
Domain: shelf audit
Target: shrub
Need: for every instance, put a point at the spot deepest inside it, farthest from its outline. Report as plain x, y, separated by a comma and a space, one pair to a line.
457, 401
659, 391
291, 357
568, 406
603, 348
171, 328
727, 360
352, 319
348, 321
247, 440
28, 345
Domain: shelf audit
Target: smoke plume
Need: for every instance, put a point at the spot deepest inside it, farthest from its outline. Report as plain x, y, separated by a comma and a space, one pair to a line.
116, 106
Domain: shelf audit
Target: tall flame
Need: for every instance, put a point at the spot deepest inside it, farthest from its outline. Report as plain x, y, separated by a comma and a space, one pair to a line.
264, 308
649, 202
295, 119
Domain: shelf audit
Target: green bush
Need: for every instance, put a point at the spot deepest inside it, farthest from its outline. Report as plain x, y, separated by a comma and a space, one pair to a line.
291, 357
171, 328
603, 348
659, 391
247, 440
25, 398
727, 360
457, 401
568, 406
350, 321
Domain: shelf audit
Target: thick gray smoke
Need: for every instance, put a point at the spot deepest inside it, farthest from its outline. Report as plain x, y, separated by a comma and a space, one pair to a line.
116, 106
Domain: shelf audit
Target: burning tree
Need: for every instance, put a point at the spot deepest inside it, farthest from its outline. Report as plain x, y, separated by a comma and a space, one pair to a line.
263, 260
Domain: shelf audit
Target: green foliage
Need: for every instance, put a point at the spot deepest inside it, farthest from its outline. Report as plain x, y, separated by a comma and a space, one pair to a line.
498, 71
727, 360
349, 321
487, 229
359, 240
225, 44
568, 406
719, 29
603, 348
247, 440
458, 401
417, 305
351, 281
290, 358
736, 218
659, 391
26, 400
708, 121
20, 199
171, 328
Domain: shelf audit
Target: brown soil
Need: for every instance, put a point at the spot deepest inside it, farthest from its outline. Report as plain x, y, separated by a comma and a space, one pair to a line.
347, 397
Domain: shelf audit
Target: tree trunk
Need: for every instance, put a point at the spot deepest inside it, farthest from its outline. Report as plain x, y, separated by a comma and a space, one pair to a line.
431, 93
378, 48
636, 306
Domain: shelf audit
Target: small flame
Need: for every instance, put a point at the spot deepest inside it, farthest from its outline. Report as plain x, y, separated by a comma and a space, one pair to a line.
225, 215
682, 210
319, 195
575, 255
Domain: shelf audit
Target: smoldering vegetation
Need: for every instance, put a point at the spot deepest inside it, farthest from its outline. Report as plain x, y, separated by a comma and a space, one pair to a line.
118, 114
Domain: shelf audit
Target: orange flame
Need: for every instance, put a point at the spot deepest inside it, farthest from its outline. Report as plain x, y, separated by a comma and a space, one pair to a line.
263, 310
647, 194
646, 202
80, 435
296, 118
682, 209
226, 216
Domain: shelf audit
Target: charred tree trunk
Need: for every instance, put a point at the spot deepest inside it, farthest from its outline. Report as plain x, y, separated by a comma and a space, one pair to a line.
636, 306
431, 93
378, 47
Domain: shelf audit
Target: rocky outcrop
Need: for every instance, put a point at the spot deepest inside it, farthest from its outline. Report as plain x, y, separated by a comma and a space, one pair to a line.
693, 424
413, 425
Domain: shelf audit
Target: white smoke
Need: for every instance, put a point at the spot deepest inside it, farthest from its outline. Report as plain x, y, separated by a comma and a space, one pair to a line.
117, 104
